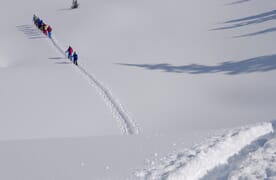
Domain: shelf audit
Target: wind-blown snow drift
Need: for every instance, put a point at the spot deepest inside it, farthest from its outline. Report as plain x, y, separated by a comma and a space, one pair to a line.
196, 162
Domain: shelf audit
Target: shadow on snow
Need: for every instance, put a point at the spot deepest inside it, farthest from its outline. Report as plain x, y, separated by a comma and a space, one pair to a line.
238, 2
269, 30
30, 31
255, 19
63, 63
56, 58
60, 62
65, 9
258, 64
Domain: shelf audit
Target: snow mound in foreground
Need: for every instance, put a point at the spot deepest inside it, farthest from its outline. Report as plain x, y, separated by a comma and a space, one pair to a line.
197, 161
260, 164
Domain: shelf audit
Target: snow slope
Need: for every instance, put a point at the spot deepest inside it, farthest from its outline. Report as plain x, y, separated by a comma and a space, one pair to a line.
173, 72
171, 68
127, 125
42, 95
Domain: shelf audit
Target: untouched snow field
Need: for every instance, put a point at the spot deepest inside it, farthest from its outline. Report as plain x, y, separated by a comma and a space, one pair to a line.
155, 77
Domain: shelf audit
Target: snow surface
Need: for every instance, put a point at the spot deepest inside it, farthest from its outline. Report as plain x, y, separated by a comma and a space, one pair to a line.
127, 125
195, 163
255, 161
171, 73
260, 164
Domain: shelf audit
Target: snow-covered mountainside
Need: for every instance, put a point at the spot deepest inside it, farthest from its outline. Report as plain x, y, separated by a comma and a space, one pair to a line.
154, 77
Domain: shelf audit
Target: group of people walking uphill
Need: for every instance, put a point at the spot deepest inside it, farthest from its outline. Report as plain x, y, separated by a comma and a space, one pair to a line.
72, 55
47, 30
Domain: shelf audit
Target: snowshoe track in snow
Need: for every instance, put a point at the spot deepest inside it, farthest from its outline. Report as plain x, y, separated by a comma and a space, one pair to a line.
126, 124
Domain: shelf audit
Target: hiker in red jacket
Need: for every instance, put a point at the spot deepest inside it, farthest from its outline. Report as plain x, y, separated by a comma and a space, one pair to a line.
49, 30
69, 51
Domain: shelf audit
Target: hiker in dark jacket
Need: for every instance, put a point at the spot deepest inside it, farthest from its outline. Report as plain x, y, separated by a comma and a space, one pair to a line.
35, 18
40, 24
75, 58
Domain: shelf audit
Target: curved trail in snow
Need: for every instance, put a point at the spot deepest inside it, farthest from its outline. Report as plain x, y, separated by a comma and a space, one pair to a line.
126, 124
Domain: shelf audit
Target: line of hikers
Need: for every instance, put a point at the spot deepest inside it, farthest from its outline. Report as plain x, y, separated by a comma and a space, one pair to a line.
46, 29
72, 56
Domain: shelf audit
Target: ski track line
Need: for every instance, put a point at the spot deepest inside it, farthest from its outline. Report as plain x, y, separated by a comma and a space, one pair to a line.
126, 124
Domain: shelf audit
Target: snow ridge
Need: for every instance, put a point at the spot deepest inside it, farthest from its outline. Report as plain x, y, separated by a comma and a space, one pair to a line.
198, 161
259, 164
255, 161
126, 124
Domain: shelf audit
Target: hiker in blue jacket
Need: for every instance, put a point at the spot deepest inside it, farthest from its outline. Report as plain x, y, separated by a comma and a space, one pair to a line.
37, 21
75, 58
40, 24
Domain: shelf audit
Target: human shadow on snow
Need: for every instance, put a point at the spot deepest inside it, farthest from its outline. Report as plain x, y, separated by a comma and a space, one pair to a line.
63, 63
249, 20
30, 31
257, 64
56, 58
238, 2
65, 9
60, 62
